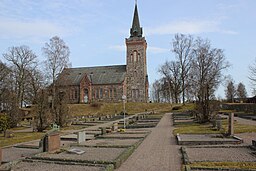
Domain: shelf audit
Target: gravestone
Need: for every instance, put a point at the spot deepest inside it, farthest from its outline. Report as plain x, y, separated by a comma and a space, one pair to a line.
115, 126
51, 142
231, 124
1, 155
103, 130
218, 122
81, 137
254, 143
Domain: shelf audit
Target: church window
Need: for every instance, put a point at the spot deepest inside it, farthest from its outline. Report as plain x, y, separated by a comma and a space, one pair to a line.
131, 58
135, 57
100, 93
76, 94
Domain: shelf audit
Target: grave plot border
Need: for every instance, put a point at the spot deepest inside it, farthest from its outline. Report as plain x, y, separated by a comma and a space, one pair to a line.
107, 167
186, 162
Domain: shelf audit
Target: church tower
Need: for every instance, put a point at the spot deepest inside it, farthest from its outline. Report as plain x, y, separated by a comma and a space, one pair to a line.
136, 63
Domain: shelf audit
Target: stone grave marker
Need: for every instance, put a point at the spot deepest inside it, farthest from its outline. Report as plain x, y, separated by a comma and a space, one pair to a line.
218, 122
51, 142
115, 126
254, 143
103, 130
231, 124
81, 137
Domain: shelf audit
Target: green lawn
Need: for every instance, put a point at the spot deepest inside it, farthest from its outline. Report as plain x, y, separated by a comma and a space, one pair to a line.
206, 128
19, 138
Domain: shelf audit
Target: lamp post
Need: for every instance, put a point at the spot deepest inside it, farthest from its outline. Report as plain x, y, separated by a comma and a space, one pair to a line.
124, 99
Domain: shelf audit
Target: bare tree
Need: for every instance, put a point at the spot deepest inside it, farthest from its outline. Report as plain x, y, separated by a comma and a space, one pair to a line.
252, 70
241, 91
170, 71
230, 91
182, 48
155, 91
21, 59
57, 54
207, 66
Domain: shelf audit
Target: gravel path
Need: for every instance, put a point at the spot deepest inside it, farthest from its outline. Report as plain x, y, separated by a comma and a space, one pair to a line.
157, 152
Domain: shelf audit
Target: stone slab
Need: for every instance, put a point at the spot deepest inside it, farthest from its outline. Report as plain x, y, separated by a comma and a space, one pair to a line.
12, 153
204, 139
91, 154
111, 142
123, 136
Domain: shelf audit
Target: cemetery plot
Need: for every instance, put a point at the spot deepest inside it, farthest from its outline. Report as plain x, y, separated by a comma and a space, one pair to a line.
110, 142
12, 153
182, 118
219, 158
205, 139
56, 166
91, 155
123, 136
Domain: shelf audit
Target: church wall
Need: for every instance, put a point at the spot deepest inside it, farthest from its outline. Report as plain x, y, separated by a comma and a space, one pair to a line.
107, 93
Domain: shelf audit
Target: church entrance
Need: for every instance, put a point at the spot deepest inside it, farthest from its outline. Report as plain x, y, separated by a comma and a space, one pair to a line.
86, 95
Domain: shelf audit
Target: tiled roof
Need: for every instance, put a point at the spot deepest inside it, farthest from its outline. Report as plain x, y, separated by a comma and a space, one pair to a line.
98, 75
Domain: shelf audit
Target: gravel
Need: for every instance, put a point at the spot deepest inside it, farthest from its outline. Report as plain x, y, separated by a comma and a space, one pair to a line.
103, 154
12, 153
110, 142
236, 154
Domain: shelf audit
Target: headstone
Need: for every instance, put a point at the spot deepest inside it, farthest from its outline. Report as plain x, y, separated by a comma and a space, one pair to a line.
254, 143
81, 137
231, 124
1, 155
55, 127
115, 126
51, 142
103, 130
218, 122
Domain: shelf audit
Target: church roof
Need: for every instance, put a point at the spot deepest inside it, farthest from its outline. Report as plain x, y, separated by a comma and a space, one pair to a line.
114, 74
136, 30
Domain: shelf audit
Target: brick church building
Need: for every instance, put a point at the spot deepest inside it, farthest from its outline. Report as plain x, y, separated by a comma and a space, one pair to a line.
110, 83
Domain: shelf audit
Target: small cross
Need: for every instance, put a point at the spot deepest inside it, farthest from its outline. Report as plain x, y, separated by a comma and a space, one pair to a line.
136, 2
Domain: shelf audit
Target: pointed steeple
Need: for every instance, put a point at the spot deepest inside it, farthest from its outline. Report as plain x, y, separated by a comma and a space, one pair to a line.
136, 30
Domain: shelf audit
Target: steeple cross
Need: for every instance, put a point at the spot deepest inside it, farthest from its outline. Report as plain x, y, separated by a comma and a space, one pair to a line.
136, 2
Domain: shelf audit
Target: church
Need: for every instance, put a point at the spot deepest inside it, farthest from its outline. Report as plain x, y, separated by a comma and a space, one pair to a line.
110, 83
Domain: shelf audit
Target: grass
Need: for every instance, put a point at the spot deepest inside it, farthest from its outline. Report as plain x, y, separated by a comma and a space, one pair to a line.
233, 165
186, 107
116, 108
196, 128
19, 137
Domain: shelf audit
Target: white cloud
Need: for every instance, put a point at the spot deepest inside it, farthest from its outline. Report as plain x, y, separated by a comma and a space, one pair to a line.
189, 27
11, 28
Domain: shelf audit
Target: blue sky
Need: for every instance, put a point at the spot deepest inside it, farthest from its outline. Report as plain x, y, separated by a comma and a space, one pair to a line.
95, 30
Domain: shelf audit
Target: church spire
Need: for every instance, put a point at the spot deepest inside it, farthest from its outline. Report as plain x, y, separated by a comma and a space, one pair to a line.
136, 30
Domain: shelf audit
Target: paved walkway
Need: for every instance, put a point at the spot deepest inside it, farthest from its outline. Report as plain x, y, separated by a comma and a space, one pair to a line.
157, 152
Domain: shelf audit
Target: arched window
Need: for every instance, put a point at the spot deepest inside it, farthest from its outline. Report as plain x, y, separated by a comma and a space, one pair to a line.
135, 56
131, 58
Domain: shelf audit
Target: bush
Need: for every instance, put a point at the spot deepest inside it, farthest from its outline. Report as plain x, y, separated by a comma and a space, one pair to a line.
176, 108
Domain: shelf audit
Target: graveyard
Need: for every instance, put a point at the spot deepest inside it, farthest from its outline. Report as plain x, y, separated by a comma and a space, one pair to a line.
107, 142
